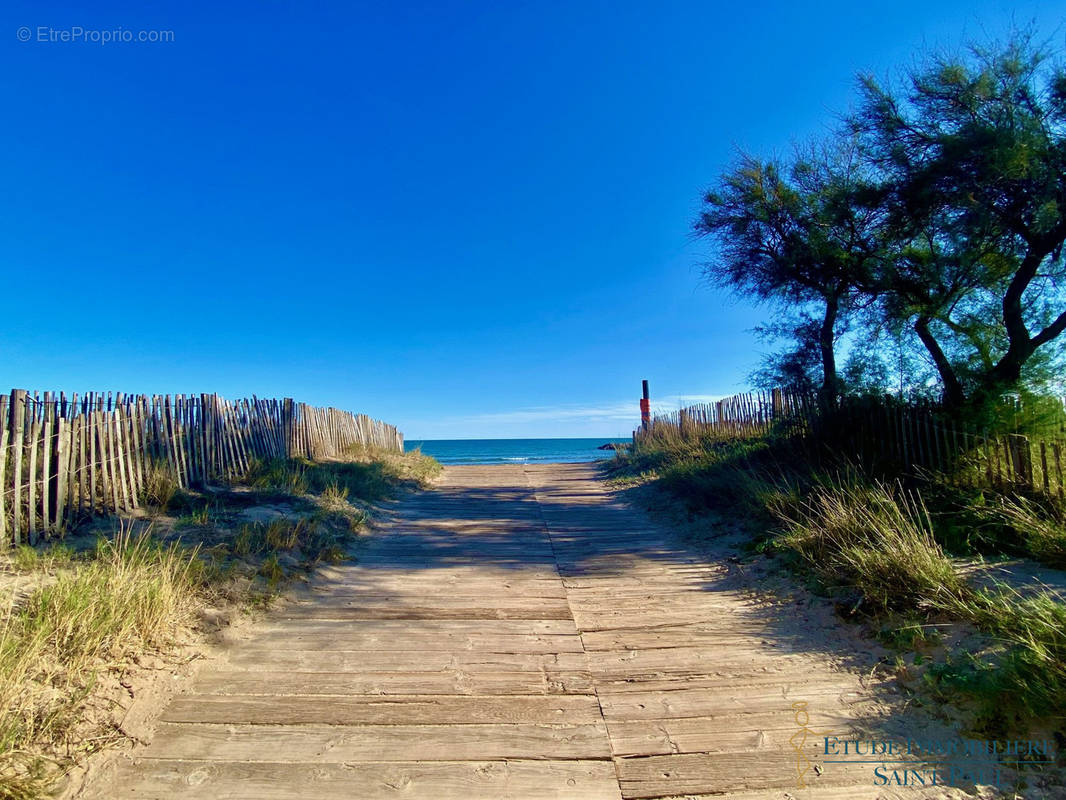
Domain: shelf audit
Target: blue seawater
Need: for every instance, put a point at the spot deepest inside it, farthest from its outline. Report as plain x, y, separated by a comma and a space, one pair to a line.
512, 451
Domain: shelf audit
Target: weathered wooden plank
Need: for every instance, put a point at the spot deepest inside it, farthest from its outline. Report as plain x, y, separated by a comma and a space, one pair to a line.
111, 459
126, 492
255, 656
639, 581
433, 544
385, 743
715, 773
721, 733
313, 626
137, 443
345, 639
681, 636
711, 702
856, 790
708, 616
100, 490
532, 565
84, 466
382, 709
118, 447
355, 609
424, 583
340, 597
364, 682
151, 779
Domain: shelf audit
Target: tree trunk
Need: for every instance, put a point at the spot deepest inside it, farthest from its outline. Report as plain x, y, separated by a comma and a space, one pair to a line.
954, 396
1007, 373
827, 345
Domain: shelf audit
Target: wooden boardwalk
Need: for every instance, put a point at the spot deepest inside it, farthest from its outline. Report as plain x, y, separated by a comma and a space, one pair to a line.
517, 632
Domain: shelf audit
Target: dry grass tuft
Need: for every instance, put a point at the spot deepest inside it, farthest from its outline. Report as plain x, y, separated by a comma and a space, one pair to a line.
874, 537
127, 597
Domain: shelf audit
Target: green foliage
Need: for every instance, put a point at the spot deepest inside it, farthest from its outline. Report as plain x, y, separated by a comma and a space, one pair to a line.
34, 559
880, 546
908, 636
874, 538
800, 235
971, 153
320, 538
199, 518
936, 213
1032, 629
798, 367
1039, 525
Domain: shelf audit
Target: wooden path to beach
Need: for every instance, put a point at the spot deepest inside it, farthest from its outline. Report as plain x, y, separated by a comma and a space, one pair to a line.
516, 632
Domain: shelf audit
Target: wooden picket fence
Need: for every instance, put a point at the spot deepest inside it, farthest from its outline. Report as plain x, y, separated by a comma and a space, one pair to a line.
883, 434
63, 459
747, 414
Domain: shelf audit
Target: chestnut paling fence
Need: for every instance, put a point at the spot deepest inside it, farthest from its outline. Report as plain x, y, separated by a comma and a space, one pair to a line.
63, 459
883, 434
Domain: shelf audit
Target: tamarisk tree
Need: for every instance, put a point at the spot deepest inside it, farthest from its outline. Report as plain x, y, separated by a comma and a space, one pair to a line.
971, 157
797, 235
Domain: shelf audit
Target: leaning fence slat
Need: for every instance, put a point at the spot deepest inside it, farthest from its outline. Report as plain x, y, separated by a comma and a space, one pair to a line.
34, 432
1057, 448
18, 423
46, 462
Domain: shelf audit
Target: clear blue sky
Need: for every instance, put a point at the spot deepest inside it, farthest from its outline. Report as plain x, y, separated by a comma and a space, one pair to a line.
470, 219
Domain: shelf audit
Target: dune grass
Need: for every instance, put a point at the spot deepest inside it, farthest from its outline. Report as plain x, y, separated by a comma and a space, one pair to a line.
876, 545
1039, 526
125, 597
73, 615
873, 538
364, 473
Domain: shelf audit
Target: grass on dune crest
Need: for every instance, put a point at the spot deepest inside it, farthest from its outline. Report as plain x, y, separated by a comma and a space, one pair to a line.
365, 473
887, 551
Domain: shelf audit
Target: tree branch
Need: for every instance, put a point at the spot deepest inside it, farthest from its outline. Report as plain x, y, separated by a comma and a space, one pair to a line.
1051, 331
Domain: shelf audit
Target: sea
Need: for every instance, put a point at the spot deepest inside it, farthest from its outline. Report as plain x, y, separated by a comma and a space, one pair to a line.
512, 451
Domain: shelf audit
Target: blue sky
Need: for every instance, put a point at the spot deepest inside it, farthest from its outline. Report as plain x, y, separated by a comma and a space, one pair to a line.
469, 219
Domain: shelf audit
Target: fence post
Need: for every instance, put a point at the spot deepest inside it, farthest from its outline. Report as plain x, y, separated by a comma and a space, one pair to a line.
645, 407
1021, 459
18, 420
